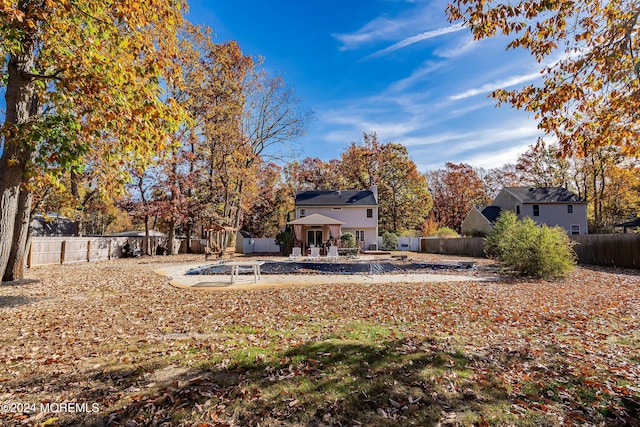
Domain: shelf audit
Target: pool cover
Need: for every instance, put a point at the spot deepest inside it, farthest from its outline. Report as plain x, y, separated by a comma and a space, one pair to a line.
288, 267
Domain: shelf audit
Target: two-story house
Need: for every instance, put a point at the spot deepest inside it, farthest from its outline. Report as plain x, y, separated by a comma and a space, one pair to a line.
553, 206
321, 216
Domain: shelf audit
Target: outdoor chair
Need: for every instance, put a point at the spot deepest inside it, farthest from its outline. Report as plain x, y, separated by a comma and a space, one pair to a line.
296, 253
315, 253
333, 253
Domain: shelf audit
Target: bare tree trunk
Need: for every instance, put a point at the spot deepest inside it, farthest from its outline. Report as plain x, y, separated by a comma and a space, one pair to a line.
188, 231
21, 232
146, 235
16, 155
172, 235
141, 188
80, 209
238, 218
10, 188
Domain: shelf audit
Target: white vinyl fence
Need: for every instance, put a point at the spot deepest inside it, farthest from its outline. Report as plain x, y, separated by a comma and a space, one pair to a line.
265, 245
411, 244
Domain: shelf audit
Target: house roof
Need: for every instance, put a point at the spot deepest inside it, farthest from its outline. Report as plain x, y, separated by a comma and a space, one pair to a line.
491, 213
544, 195
315, 219
52, 225
632, 223
336, 198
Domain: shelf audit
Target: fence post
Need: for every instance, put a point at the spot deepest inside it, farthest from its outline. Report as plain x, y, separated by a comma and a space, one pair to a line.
109, 253
88, 250
63, 249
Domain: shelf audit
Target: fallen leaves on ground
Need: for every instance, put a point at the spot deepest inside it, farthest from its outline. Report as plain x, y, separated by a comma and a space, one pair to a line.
510, 352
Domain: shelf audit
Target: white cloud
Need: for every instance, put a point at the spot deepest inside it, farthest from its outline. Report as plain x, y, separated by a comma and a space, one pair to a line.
508, 132
467, 45
487, 148
469, 108
491, 159
417, 38
416, 17
378, 29
415, 77
490, 87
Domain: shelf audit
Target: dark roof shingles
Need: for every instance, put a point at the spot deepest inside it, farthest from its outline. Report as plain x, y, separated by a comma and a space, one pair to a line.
491, 213
545, 195
335, 198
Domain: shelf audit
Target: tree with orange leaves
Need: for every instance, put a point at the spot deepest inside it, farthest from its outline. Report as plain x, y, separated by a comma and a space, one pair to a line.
95, 68
455, 190
590, 97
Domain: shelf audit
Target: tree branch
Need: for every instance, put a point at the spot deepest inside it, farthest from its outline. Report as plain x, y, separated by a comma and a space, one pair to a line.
54, 76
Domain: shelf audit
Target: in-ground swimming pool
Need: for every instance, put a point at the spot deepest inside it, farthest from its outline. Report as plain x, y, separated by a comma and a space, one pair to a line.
356, 267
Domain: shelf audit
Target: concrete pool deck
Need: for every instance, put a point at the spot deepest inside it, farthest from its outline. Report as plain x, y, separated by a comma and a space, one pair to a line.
179, 279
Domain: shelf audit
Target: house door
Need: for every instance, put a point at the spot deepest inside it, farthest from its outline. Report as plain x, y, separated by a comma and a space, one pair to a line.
314, 237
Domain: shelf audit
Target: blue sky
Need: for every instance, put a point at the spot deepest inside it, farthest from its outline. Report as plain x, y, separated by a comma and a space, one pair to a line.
395, 67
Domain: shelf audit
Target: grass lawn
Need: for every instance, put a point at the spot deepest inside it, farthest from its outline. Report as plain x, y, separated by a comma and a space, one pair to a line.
111, 343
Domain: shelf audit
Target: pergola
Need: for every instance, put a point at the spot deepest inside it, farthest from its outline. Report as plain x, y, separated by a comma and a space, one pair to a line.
326, 226
216, 234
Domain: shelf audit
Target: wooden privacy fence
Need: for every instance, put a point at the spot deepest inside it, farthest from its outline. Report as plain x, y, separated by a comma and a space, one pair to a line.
468, 246
65, 250
612, 250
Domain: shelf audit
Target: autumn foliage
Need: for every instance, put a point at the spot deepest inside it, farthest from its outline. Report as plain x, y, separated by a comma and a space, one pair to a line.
97, 65
590, 68
455, 190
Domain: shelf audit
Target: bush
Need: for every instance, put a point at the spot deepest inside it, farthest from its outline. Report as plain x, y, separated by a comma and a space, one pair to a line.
389, 241
505, 222
531, 250
348, 240
447, 233
284, 239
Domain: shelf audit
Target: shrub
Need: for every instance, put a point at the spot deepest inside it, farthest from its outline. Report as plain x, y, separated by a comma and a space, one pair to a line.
505, 222
447, 233
389, 241
284, 239
532, 250
348, 240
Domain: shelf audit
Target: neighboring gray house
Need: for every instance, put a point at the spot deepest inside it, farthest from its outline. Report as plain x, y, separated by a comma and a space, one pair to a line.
554, 206
324, 215
479, 220
52, 224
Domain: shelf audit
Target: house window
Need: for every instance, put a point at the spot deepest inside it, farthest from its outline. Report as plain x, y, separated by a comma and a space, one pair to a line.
303, 213
360, 235
569, 208
536, 210
369, 213
518, 210
575, 229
